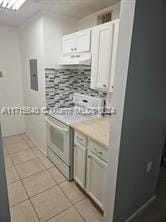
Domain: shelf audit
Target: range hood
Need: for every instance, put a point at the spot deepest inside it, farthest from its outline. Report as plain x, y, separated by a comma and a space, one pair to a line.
76, 59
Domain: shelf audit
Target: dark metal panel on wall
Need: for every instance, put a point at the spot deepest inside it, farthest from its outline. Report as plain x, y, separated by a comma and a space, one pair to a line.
33, 74
4, 204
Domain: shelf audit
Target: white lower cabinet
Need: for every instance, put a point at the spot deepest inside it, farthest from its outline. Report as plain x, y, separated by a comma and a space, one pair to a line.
80, 164
90, 166
95, 177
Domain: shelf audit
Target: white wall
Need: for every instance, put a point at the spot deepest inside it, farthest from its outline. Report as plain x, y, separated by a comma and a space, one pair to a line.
91, 20
54, 27
31, 38
118, 97
11, 94
41, 39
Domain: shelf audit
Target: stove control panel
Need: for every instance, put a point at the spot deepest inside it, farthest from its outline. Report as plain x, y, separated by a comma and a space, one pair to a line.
88, 102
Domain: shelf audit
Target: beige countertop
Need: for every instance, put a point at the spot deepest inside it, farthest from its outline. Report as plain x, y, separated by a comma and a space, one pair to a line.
96, 128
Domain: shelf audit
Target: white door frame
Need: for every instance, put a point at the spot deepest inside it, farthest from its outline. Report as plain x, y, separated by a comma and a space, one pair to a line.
127, 13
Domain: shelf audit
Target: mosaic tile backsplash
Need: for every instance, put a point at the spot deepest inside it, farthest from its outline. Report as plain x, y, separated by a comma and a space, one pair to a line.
63, 83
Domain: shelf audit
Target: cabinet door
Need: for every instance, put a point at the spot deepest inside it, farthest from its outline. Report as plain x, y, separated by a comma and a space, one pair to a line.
80, 165
83, 40
96, 173
102, 44
69, 43
114, 55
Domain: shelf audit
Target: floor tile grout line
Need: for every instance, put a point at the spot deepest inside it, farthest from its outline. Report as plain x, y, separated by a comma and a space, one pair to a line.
35, 210
44, 165
28, 148
59, 213
72, 205
31, 197
21, 179
27, 142
8, 184
46, 169
31, 174
36, 194
72, 202
34, 174
31, 202
18, 151
15, 167
79, 213
39, 151
38, 156
24, 161
57, 184
16, 143
6, 145
11, 206
53, 177
27, 194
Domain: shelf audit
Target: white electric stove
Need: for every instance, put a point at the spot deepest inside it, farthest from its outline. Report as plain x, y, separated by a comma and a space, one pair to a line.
85, 107
60, 135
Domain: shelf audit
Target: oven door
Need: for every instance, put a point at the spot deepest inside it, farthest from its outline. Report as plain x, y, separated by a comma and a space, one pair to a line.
58, 138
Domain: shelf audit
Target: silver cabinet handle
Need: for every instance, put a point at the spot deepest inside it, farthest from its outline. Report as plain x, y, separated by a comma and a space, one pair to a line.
104, 85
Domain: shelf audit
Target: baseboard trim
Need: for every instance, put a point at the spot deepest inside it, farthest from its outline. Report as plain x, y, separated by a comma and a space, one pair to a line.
140, 209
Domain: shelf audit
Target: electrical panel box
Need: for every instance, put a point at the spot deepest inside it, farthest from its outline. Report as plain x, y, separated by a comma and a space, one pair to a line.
33, 74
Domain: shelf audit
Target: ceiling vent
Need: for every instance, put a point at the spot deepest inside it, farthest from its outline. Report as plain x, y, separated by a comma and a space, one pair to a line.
103, 18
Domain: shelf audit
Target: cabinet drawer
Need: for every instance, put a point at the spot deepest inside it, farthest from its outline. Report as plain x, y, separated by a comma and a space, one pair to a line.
80, 139
100, 151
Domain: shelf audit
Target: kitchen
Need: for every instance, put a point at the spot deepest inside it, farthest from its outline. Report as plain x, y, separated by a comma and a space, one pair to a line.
66, 60
59, 61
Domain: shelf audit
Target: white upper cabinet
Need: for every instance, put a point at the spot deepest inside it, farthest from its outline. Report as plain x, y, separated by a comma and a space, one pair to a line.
104, 47
77, 42
69, 43
83, 41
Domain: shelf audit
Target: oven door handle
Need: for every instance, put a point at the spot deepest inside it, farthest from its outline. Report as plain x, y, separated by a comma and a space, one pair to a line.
56, 126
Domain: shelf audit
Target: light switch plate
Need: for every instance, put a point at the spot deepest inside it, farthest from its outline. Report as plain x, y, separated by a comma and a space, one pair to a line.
149, 166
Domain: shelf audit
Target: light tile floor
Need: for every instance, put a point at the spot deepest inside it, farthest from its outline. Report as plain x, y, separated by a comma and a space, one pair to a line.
37, 191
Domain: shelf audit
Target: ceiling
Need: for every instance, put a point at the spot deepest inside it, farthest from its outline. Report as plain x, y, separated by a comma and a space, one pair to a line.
73, 8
